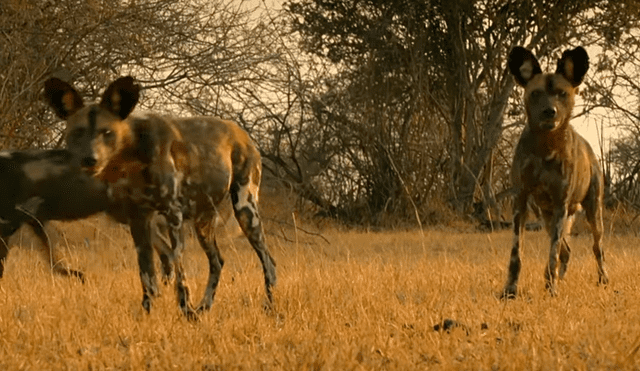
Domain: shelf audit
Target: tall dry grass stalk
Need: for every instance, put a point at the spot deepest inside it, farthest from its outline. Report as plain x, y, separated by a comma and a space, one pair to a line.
366, 301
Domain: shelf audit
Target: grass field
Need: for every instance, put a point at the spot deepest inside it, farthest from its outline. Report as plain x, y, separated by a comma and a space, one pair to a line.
361, 301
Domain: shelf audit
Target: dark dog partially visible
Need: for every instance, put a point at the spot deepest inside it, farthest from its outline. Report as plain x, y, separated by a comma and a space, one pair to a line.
42, 185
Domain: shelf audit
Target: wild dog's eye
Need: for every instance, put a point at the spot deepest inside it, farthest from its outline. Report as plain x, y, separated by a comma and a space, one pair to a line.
107, 135
536, 94
562, 94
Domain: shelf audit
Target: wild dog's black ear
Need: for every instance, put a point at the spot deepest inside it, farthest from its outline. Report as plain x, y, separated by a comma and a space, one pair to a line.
573, 65
121, 97
62, 97
523, 65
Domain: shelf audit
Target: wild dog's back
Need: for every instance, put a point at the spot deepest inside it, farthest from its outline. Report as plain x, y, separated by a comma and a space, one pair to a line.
204, 153
218, 147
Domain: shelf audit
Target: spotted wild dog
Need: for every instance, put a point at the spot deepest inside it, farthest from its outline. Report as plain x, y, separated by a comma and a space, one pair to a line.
208, 158
42, 185
553, 164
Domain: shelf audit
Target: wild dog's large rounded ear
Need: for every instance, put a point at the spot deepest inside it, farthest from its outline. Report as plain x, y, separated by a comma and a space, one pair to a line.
573, 65
121, 96
523, 65
62, 97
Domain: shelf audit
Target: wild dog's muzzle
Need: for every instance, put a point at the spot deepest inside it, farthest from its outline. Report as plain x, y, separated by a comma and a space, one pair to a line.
88, 164
548, 118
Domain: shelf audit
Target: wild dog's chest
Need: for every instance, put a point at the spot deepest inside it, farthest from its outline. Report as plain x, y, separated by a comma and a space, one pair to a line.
545, 180
543, 159
538, 172
553, 177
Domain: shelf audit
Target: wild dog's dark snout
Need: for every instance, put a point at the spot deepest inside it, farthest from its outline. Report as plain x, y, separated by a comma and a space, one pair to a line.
88, 161
549, 113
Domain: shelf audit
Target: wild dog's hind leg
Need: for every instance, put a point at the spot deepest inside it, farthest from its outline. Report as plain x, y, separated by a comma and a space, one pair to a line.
244, 197
557, 230
203, 227
593, 210
565, 250
565, 254
162, 244
49, 252
7, 229
4, 251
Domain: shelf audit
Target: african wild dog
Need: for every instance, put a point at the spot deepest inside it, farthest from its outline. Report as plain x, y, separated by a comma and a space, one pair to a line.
209, 159
553, 164
42, 185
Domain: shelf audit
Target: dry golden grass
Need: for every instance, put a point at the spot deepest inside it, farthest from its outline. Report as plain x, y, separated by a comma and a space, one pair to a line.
364, 301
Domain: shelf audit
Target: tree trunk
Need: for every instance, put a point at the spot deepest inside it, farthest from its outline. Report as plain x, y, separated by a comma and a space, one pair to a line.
478, 157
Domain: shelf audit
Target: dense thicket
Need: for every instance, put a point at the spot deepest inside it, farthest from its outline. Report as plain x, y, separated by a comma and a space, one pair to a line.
421, 103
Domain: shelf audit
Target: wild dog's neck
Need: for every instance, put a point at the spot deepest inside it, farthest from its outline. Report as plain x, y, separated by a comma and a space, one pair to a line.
128, 136
548, 143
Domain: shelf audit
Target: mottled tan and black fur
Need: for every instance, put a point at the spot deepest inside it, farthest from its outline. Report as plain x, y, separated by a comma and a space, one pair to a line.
553, 164
204, 159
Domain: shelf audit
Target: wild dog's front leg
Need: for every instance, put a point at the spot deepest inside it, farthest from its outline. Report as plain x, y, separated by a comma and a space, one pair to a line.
171, 208
519, 220
170, 250
202, 227
182, 290
140, 225
7, 228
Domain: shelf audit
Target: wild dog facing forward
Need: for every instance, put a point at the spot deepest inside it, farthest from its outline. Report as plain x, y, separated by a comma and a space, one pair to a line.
554, 164
208, 159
